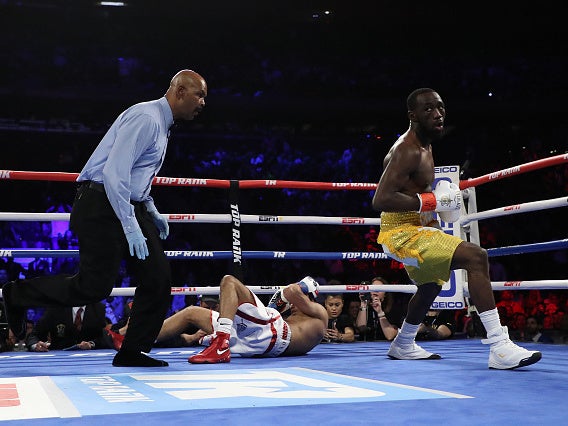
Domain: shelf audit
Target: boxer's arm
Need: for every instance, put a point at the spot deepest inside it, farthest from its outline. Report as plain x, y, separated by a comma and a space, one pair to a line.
293, 293
396, 191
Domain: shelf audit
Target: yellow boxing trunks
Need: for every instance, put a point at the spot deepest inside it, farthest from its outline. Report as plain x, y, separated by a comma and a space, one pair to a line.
426, 252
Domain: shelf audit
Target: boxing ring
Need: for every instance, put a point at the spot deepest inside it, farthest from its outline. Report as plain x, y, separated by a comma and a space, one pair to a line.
335, 383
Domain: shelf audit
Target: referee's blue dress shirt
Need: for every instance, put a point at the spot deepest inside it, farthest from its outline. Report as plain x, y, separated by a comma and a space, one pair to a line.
129, 156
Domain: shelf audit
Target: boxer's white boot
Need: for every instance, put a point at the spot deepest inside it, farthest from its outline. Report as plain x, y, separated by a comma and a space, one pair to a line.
404, 347
505, 355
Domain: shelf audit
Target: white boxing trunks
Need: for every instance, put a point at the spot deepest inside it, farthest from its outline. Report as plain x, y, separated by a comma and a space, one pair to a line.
257, 330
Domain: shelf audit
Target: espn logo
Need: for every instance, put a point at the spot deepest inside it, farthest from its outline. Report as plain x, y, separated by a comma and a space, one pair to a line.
353, 220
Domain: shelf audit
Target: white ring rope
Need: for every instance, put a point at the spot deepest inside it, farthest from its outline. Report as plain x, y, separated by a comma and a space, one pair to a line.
357, 288
214, 218
270, 289
352, 288
304, 220
514, 209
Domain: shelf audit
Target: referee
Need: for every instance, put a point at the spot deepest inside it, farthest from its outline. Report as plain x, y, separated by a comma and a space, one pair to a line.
115, 218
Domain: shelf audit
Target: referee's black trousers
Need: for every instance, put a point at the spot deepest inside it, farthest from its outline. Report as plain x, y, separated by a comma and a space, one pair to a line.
102, 247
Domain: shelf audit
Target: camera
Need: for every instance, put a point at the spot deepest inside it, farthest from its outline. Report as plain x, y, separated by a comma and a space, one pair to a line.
365, 296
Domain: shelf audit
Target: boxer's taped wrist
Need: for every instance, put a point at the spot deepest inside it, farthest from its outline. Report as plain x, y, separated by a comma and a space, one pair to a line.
283, 297
427, 202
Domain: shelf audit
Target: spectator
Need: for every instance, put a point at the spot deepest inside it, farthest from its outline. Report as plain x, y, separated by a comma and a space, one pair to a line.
381, 313
339, 327
4, 277
80, 327
534, 333
507, 301
518, 324
353, 309
437, 325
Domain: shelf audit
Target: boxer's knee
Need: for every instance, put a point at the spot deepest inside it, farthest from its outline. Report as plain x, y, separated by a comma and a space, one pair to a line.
471, 257
478, 258
229, 281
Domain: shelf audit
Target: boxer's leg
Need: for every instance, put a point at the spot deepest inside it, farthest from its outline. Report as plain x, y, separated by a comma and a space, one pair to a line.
503, 353
404, 345
232, 294
178, 322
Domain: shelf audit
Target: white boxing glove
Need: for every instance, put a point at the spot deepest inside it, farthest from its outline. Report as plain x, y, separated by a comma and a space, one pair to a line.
310, 287
450, 217
279, 302
446, 197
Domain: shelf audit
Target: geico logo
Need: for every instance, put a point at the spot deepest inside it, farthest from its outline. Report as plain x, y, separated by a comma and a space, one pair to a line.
447, 305
353, 220
445, 169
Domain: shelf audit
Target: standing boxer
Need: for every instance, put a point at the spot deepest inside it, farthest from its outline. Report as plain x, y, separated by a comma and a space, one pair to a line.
409, 234
115, 218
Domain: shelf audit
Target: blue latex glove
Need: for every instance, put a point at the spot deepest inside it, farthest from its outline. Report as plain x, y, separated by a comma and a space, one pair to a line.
137, 244
159, 220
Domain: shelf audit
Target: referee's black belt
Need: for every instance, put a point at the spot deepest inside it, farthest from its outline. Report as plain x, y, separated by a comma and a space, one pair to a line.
93, 185
99, 187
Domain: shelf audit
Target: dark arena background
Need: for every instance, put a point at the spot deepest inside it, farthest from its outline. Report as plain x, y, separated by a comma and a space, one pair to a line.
308, 91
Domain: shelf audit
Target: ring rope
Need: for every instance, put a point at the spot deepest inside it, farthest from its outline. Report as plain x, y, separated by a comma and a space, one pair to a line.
214, 218
188, 182
248, 184
213, 255
528, 248
516, 170
351, 288
515, 208
299, 255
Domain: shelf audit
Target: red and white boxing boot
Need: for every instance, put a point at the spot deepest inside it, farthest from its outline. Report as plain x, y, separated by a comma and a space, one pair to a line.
217, 352
117, 339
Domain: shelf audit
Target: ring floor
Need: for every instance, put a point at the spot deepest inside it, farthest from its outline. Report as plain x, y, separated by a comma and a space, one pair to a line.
335, 384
